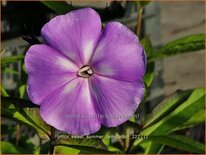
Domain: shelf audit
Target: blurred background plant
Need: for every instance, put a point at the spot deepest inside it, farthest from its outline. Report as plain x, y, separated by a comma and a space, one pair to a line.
172, 114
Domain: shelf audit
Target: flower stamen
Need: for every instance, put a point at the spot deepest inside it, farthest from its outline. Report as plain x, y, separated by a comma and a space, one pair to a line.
85, 71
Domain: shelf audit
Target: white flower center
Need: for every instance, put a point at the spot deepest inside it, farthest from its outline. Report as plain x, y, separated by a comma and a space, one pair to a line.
85, 71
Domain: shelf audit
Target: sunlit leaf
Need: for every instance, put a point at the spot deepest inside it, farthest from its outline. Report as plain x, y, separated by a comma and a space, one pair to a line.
32, 120
7, 148
106, 140
114, 149
11, 59
22, 90
186, 44
33, 115
29, 116
65, 150
166, 106
177, 117
24, 146
151, 147
196, 119
3, 91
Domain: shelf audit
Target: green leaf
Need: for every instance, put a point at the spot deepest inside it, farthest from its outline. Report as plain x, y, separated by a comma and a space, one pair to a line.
197, 119
29, 116
24, 146
61, 7
85, 145
151, 147
149, 75
11, 59
65, 150
8, 70
22, 91
8, 148
166, 106
178, 116
81, 141
106, 140
33, 115
186, 44
114, 149
180, 142
147, 45
3, 91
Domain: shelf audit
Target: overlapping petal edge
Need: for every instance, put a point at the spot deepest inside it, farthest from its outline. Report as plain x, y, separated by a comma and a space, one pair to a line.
116, 87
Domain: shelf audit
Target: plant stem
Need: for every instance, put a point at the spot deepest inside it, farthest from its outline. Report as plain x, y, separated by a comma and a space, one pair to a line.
51, 151
127, 141
139, 20
119, 140
17, 133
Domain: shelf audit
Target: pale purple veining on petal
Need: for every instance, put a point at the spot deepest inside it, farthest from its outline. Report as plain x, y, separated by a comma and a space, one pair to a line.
74, 34
119, 54
48, 69
116, 99
116, 57
70, 101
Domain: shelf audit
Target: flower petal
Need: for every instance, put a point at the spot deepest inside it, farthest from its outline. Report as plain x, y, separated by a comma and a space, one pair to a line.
74, 34
70, 109
115, 100
48, 69
119, 54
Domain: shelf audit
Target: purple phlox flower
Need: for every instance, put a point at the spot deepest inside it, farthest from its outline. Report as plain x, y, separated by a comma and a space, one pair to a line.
84, 77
